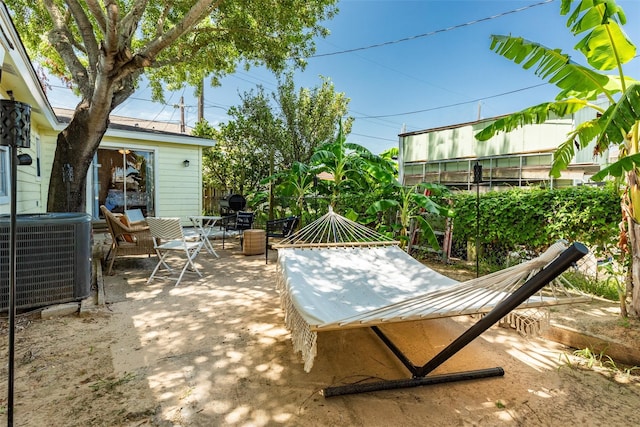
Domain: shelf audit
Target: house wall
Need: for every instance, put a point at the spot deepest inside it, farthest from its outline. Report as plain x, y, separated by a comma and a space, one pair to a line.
29, 192
521, 157
28, 183
18, 82
178, 189
460, 142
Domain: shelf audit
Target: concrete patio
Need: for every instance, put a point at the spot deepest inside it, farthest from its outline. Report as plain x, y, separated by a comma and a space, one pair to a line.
214, 351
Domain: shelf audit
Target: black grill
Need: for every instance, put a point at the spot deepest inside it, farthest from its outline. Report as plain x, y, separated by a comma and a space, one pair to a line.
232, 203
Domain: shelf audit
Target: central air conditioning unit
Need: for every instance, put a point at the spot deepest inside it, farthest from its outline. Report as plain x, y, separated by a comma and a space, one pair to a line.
53, 259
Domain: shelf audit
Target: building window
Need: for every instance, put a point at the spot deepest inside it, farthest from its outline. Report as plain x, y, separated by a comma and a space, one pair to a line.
4, 175
125, 180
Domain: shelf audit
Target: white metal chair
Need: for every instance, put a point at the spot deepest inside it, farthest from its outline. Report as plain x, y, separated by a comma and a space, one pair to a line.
169, 238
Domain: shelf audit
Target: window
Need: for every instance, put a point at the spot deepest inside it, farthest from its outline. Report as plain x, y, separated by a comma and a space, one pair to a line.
413, 169
4, 175
125, 180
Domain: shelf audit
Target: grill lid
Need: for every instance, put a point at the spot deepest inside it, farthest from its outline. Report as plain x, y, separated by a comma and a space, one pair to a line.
235, 202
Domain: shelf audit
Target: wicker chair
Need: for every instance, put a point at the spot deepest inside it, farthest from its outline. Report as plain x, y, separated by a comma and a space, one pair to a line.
126, 239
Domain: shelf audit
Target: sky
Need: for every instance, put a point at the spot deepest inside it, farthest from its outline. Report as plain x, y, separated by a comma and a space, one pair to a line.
404, 65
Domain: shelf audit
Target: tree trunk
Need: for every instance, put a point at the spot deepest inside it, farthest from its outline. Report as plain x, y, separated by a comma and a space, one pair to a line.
634, 241
75, 148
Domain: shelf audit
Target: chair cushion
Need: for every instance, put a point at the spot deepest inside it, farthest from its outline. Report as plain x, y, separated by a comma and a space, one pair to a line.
127, 237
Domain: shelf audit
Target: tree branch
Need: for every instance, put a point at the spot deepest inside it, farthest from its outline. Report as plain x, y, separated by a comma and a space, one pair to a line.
62, 41
96, 11
146, 57
104, 86
129, 22
110, 44
162, 19
86, 33
197, 12
126, 89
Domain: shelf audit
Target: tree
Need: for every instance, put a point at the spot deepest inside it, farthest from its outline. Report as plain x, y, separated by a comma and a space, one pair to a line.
245, 146
217, 170
310, 117
279, 130
240, 157
605, 47
104, 47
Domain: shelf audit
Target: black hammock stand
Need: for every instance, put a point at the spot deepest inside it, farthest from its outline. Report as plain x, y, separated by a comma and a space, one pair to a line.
420, 375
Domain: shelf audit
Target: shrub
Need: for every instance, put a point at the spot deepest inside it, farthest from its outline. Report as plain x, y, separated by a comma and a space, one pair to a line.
532, 219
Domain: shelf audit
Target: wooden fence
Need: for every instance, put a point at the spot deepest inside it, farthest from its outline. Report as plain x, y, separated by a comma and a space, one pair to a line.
211, 199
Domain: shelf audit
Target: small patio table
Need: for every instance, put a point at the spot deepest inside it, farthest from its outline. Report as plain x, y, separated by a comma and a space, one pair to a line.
204, 226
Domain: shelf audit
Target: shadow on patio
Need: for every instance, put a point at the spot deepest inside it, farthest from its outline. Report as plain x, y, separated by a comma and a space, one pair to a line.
214, 351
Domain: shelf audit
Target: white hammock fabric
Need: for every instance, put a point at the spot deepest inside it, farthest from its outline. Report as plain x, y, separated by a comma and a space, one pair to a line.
330, 285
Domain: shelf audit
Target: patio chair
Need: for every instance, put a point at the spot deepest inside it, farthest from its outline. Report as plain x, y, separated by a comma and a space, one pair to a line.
170, 239
126, 239
279, 228
234, 225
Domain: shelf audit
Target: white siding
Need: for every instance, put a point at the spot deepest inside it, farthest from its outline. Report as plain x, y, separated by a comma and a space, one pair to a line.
178, 188
460, 142
28, 186
48, 148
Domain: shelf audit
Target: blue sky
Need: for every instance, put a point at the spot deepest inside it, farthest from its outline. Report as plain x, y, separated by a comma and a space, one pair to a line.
450, 74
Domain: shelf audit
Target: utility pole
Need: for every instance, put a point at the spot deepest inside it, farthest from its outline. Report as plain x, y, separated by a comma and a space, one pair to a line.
182, 127
201, 102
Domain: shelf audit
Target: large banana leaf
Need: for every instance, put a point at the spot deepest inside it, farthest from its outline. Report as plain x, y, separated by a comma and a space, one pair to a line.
610, 128
606, 45
552, 65
577, 139
537, 114
619, 168
621, 116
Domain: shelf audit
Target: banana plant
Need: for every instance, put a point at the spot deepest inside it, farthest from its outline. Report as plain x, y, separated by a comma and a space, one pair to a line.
606, 49
411, 202
353, 168
295, 183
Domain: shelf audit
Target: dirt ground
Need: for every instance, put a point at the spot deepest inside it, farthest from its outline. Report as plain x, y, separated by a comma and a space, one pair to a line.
215, 352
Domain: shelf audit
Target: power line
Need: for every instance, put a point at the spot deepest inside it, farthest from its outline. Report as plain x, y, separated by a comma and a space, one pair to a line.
373, 137
431, 33
452, 105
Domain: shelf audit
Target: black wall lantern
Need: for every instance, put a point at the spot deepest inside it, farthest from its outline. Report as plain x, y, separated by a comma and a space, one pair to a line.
15, 130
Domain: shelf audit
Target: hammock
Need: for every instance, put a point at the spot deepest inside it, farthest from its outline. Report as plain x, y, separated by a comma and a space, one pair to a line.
336, 274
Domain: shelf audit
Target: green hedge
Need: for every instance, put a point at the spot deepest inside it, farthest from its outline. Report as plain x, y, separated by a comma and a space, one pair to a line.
532, 219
